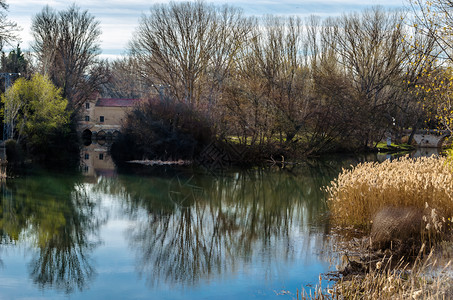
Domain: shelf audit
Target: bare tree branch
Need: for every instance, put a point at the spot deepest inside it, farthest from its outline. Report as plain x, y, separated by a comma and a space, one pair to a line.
67, 49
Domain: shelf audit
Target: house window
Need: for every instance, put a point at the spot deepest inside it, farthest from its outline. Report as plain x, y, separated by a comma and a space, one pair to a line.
87, 118
86, 169
87, 105
87, 156
101, 119
101, 156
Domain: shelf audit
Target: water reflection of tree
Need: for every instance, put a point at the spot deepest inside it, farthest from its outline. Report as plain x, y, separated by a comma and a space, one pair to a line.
59, 220
197, 227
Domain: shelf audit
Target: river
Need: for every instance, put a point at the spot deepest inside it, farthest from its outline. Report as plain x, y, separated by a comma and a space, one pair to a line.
165, 232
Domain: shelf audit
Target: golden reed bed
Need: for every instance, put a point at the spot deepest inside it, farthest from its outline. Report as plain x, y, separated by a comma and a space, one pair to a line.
357, 194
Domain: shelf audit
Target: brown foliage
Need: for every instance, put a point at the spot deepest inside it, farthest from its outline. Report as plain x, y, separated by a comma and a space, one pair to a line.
164, 130
397, 228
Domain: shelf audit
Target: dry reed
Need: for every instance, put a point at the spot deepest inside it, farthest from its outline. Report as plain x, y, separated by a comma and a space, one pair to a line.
357, 194
425, 279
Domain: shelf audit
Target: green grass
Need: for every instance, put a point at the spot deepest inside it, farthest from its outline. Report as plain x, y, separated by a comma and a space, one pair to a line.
383, 147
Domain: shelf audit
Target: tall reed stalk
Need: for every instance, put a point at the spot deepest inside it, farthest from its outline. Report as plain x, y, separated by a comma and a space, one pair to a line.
358, 193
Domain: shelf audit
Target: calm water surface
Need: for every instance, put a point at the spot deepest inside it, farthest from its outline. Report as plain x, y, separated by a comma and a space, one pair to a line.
165, 233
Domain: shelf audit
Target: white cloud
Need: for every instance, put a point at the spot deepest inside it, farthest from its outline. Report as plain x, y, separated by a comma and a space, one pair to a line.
120, 18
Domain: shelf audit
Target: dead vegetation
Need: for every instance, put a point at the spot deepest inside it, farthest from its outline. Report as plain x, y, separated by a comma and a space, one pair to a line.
359, 193
403, 203
403, 208
391, 278
397, 228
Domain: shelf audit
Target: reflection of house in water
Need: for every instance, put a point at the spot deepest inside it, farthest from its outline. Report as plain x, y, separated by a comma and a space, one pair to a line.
96, 161
102, 117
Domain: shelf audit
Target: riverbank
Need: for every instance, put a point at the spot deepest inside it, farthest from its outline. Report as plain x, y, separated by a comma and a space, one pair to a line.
401, 210
363, 274
394, 148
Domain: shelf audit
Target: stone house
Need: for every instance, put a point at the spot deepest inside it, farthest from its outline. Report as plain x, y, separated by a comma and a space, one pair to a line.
102, 118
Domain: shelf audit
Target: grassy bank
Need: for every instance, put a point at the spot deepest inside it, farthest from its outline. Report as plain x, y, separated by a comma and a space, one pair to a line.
394, 148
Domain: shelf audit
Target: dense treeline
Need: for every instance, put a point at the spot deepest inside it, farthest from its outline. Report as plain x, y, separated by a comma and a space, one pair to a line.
273, 86
282, 85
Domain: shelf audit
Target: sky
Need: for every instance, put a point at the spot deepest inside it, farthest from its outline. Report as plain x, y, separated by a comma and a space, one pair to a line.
119, 18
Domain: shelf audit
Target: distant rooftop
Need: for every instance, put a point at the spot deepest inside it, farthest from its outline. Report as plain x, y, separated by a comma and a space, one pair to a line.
114, 102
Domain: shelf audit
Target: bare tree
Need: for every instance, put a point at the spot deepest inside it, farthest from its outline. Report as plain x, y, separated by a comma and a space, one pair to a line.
178, 43
435, 19
432, 21
8, 28
278, 82
125, 81
334, 106
370, 50
364, 68
276, 58
67, 49
232, 32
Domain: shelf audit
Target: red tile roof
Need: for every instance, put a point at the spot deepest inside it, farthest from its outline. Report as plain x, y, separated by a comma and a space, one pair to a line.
113, 102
